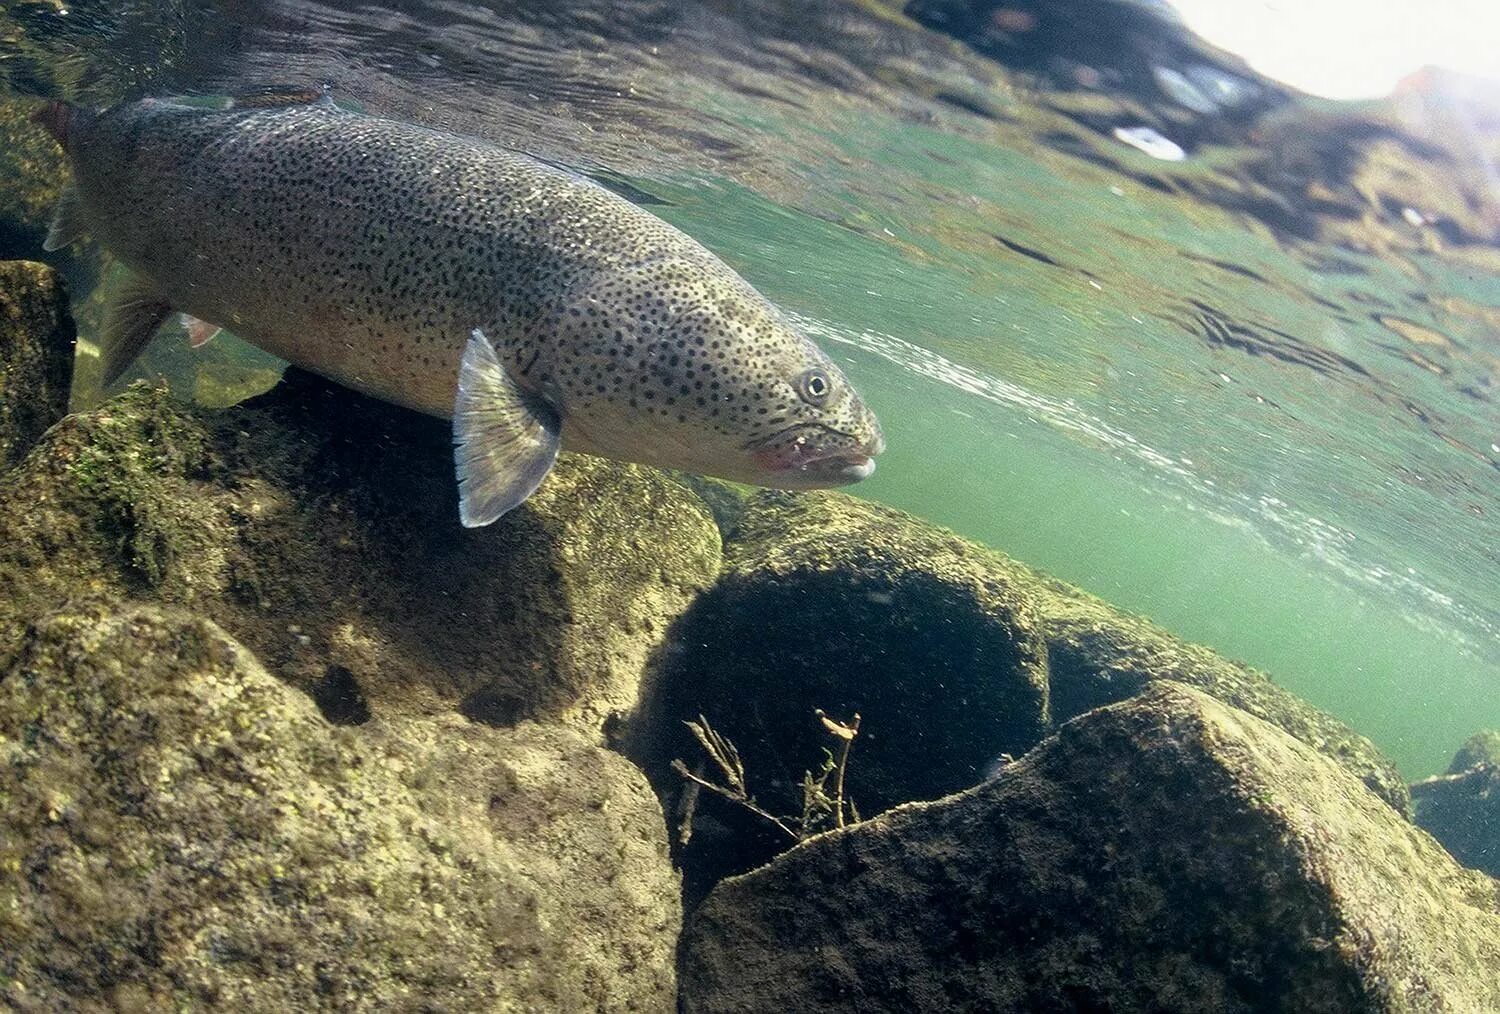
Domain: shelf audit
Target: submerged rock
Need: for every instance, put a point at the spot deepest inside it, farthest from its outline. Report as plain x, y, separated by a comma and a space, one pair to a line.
180, 830
953, 654
1099, 654
1462, 808
31, 164
827, 602
830, 602
320, 528
36, 355
1481, 748
1169, 853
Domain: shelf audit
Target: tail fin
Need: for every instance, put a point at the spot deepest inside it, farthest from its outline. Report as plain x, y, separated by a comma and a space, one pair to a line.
56, 117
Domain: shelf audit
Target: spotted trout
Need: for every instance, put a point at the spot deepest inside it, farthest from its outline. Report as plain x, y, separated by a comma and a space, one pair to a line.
535, 308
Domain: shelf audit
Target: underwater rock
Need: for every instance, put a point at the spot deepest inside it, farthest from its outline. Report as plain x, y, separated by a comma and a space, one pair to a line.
833, 603
31, 166
36, 355
1169, 853
725, 500
320, 528
1099, 654
180, 830
1461, 809
1481, 748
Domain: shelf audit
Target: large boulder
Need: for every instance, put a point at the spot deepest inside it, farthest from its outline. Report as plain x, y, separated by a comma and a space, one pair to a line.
1462, 808
320, 528
827, 602
953, 654
1099, 654
1170, 853
180, 830
36, 355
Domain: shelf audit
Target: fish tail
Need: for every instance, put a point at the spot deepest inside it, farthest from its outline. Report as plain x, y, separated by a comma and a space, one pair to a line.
56, 117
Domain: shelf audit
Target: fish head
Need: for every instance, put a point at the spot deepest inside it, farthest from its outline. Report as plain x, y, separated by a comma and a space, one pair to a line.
690, 367
818, 432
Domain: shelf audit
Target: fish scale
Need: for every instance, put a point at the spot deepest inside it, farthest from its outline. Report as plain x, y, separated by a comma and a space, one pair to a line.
532, 306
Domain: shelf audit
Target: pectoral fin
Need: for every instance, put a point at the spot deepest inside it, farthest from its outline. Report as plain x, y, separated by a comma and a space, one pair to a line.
505, 440
134, 313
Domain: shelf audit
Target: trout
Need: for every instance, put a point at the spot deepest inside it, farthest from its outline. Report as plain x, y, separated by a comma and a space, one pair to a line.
535, 308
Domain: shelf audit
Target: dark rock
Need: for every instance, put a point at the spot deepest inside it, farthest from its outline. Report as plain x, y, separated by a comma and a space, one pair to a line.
36, 355
1481, 748
180, 830
833, 603
320, 528
1463, 812
31, 164
1461, 809
1169, 853
830, 602
1099, 654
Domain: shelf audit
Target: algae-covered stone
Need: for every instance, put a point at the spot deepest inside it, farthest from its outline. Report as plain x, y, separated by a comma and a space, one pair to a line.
36, 355
1169, 853
180, 830
1481, 748
827, 602
1462, 808
31, 166
320, 528
1099, 654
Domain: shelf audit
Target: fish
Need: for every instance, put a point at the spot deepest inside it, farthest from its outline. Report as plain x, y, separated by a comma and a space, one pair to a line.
535, 308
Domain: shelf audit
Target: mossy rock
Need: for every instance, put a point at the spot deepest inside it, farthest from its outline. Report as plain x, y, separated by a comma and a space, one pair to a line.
180, 830
1461, 809
827, 602
36, 355
31, 164
1481, 748
1170, 853
320, 528
1099, 654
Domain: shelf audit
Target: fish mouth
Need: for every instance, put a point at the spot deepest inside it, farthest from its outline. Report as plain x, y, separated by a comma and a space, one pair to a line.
815, 457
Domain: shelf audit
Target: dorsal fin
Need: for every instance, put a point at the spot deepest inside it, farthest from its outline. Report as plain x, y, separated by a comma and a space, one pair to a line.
277, 96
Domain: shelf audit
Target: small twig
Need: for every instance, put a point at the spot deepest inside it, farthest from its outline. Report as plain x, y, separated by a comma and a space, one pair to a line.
722, 751
847, 734
743, 800
687, 808
816, 803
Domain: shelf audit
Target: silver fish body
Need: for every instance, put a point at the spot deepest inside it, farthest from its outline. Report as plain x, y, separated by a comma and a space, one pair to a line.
400, 260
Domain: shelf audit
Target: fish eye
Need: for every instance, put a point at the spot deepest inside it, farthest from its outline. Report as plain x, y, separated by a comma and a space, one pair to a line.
814, 386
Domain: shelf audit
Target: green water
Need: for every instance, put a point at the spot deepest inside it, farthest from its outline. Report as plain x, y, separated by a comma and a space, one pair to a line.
1073, 426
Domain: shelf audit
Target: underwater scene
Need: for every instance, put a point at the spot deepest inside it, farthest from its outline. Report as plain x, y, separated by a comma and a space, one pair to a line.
859, 505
